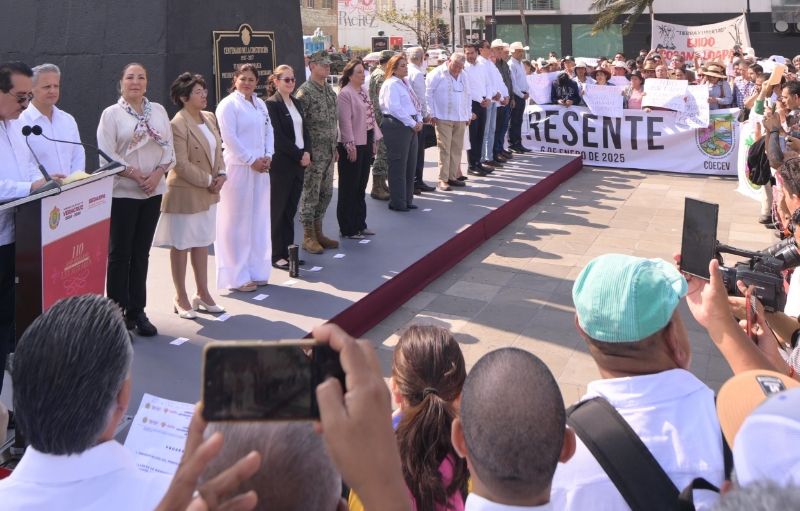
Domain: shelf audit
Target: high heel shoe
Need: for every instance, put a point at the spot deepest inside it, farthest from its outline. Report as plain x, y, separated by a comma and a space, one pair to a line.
183, 313
197, 303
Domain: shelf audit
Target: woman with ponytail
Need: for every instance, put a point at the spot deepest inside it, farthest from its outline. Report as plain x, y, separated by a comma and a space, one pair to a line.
428, 373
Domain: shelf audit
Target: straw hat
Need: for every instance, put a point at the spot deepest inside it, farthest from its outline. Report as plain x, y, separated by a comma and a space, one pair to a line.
518, 46
603, 70
498, 43
715, 69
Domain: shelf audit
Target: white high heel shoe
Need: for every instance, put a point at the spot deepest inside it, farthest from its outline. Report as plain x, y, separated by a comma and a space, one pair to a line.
183, 313
199, 304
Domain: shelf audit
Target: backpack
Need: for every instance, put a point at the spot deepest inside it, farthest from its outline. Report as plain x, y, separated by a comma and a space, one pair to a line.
629, 463
758, 169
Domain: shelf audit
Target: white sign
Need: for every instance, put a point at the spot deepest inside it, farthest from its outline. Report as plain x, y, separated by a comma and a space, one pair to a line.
713, 42
637, 140
619, 81
663, 93
158, 434
604, 100
697, 112
539, 86
75, 209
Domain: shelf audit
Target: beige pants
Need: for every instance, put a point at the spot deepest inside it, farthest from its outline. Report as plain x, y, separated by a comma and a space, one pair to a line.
450, 141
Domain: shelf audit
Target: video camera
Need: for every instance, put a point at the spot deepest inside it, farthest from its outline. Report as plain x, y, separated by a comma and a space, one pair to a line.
763, 270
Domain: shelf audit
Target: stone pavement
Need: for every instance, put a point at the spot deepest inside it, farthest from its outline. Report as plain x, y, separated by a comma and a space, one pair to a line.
515, 290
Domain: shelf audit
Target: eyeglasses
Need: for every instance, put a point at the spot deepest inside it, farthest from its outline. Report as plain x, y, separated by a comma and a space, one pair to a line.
24, 98
286, 80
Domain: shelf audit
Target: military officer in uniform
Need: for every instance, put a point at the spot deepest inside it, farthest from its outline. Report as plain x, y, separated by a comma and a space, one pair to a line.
380, 167
319, 105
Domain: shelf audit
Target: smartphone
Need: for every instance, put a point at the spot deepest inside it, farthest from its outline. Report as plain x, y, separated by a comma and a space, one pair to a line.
699, 239
265, 380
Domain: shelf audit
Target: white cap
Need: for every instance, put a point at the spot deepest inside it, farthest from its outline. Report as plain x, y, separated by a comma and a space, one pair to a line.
518, 46
498, 43
580, 63
766, 446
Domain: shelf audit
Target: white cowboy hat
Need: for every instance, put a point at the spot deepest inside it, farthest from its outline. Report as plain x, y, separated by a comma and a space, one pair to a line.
498, 43
518, 46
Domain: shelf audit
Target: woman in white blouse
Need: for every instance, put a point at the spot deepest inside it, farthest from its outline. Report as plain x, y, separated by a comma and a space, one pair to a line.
243, 247
402, 120
189, 207
136, 133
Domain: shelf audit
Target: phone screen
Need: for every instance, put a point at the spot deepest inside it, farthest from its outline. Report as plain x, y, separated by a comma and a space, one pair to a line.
699, 240
253, 381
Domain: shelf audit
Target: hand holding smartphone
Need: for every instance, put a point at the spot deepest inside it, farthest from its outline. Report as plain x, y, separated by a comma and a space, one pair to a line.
699, 238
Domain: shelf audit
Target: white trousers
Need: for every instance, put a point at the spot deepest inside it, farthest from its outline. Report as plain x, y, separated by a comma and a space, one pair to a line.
243, 247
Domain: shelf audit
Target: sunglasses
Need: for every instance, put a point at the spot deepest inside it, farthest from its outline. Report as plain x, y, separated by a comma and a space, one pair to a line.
24, 98
286, 80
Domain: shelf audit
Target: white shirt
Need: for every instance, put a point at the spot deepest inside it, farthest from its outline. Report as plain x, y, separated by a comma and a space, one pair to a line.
395, 99
518, 80
114, 134
17, 173
416, 77
212, 145
674, 414
57, 157
496, 83
478, 84
297, 124
101, 478
448, 98
477, 503
245, 128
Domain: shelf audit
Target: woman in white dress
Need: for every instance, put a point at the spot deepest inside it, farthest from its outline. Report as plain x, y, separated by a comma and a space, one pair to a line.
136, 133
189, 206
243, 248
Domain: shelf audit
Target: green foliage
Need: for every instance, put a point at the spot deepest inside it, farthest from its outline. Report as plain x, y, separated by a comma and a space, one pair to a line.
609, 10
427, 30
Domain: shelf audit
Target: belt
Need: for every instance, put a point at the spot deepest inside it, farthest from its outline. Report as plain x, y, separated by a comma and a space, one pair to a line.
387, 116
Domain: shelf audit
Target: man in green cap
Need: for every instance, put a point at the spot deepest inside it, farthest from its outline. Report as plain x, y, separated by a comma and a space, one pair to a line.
380, 167
319, 107
627, 313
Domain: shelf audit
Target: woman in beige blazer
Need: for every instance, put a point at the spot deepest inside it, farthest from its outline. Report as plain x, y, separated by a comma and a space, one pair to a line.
188, 209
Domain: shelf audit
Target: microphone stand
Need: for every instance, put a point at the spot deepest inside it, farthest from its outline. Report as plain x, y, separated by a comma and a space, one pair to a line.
112, 164
50, 184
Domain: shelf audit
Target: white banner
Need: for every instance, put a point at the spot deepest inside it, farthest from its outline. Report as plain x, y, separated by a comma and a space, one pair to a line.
75, 209
663, 93
637, 140
713, 42
603, 100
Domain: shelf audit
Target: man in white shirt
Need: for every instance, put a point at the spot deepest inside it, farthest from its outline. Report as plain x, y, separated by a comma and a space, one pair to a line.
56, 157
416, 77
500, 98
480, 97
626, 311
512, 430
519, 82
18, 178
73, 461
450, 112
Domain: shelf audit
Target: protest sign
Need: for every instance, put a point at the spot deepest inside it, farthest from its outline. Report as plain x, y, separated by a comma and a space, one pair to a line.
663, 93
158, 434
604, 100
713, 42
637, 140
697, 112
619, 81
539, 86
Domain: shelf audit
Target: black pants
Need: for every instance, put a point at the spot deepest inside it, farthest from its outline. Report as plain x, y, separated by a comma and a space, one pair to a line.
420, 158
351, 206
401, 152
515, 129
7, 301
286, 185
133, 224
476, 129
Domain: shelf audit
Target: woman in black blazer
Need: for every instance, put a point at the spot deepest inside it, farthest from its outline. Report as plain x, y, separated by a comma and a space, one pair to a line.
292, 156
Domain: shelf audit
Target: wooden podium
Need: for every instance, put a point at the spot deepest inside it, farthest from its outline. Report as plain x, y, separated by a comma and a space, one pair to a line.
61, 243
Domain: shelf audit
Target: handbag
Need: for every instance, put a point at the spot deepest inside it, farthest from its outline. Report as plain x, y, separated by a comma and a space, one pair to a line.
429, 136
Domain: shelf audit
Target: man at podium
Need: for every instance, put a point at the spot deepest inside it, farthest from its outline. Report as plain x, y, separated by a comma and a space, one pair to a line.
55, 123
18, 178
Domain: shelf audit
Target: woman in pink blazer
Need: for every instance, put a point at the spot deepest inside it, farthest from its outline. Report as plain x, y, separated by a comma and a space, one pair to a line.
358, 137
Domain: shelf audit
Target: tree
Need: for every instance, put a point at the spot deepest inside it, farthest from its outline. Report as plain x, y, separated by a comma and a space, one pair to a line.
609, 10
480, 24
427, 29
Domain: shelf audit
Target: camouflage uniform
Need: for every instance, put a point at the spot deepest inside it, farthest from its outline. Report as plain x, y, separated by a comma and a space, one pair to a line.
381, 165
319, 109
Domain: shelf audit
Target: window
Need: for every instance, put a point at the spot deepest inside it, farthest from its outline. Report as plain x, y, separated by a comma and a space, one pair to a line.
543, 38
604, 44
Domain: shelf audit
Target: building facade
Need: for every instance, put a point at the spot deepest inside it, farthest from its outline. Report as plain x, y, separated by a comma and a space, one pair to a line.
322, 14
359, 21
564, 26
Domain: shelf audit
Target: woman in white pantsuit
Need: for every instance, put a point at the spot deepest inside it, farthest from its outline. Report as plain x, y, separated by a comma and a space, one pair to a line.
243, 248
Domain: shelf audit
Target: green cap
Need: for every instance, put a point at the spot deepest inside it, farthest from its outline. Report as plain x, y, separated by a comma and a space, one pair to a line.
620, 298
320, 57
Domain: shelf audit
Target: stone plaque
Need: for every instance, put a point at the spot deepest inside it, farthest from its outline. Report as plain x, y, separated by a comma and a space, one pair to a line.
233, 48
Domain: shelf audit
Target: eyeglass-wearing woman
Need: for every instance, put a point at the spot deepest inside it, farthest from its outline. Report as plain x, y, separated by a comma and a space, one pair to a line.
242, 247
136, 133
189, 207
292, 156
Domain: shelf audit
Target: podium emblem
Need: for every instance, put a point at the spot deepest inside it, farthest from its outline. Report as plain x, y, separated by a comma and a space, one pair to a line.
55, 218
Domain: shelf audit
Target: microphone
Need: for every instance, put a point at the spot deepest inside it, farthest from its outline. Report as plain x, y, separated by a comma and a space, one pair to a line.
50, 183
112, 164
